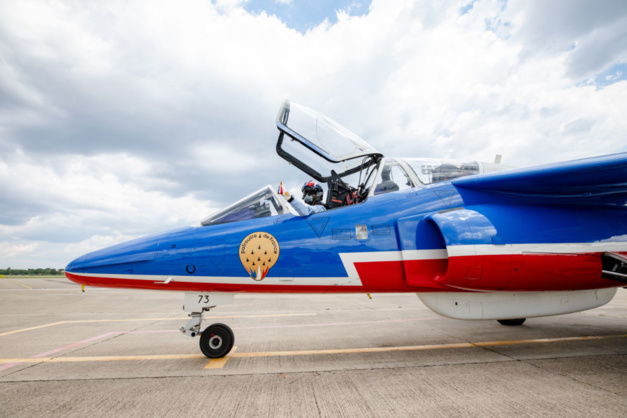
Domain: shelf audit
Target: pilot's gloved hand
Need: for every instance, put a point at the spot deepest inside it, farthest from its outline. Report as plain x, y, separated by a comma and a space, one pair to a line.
287, 195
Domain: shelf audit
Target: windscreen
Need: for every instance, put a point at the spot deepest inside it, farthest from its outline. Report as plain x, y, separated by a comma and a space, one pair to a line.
434, 171
393, 178
262, 203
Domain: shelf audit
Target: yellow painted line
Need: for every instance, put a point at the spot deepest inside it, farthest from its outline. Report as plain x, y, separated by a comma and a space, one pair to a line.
420, 347
103, 358
146, 319
21, 284
351, 350
218, 363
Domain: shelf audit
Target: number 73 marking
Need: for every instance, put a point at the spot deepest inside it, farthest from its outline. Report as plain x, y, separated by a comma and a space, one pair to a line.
203, 297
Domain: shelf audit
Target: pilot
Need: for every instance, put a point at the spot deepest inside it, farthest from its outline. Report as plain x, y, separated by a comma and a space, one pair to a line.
312, 196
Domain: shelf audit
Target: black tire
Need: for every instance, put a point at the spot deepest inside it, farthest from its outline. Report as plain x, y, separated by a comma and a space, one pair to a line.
216, 341
512, 322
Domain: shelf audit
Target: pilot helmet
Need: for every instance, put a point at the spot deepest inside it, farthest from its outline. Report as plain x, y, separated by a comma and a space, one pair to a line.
312, 192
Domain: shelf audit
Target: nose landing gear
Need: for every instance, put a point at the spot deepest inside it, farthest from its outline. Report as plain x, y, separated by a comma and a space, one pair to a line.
216, 340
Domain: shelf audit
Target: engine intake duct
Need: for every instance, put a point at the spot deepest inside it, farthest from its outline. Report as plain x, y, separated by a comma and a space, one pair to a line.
480, 258
614, 267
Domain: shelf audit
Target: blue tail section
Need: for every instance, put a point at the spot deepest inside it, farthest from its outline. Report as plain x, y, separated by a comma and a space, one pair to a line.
590, 181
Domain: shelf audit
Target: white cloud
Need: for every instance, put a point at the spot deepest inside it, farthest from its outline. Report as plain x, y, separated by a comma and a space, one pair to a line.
592, 33
13, 251
85, 202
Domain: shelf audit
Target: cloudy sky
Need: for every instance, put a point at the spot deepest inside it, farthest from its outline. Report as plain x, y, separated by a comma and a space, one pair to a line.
125, 118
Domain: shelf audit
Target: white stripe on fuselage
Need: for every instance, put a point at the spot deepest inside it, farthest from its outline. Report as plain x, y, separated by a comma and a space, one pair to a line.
514, 249
349, 259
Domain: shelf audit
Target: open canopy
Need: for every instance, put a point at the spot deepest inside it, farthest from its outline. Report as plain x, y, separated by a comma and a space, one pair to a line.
325, 145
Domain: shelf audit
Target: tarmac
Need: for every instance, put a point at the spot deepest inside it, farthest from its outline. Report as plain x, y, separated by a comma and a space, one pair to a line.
109, 352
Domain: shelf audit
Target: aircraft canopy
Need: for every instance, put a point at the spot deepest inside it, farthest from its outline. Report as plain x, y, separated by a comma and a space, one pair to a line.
307, 135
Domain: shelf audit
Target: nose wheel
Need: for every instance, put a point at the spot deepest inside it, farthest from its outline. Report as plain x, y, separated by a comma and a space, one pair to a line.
216, 340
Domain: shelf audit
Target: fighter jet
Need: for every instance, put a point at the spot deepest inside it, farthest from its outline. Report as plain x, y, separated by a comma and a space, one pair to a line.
472, 240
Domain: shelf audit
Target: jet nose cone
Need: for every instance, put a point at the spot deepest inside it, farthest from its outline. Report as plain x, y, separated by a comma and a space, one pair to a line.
121, 262
75, 265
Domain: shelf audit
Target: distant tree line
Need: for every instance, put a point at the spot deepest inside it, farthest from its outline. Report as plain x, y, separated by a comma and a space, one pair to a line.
31, 272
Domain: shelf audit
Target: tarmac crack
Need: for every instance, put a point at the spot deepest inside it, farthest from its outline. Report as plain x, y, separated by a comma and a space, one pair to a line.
531, 363
573, 378
315, 396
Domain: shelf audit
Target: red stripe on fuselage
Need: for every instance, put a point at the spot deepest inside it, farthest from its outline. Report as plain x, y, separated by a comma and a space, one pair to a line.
402, 276
509, 272
174, 285
527, 272
383, 277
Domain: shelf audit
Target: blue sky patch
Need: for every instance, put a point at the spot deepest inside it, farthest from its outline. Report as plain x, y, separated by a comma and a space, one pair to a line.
303, 15
614, 74
467, 7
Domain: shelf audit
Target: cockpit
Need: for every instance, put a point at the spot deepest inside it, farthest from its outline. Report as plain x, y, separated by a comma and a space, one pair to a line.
349, 168
402, 173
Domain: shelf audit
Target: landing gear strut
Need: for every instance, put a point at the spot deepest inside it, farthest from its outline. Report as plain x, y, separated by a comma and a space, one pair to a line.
217, 339
511, 322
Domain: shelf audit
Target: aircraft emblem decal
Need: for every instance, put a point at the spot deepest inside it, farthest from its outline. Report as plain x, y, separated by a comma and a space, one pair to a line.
258, 252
